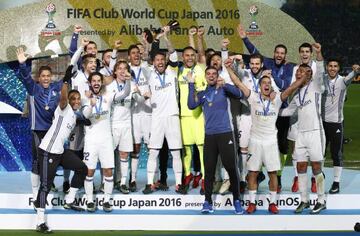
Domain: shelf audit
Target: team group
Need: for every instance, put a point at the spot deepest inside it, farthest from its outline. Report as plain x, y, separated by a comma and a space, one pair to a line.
236, 120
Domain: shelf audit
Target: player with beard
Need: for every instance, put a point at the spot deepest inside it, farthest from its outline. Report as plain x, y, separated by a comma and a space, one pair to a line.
141, 111
332, 114
282, 72
263, 146
90, 48
219, 136
165, 115
310, 141
305, 54
192, 121
97, 137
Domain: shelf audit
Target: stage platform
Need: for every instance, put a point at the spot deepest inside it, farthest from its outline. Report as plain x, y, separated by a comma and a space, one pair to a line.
171, 211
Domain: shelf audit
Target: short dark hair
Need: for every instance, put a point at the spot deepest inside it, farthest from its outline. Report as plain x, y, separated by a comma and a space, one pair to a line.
131, 47
211, 68
73, 91
257, 56
333, 59
94, 74
106, 51
42, 68
90, 42
305, 45
189, 48
305, 65
86, 58
159, 53
281, 46
216, 54
209, 50
263, 77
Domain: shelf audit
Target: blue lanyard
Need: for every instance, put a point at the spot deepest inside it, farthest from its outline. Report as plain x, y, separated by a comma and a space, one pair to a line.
119, 86
162, 80
255, 82
181, 71
48, 99
108, 70
138, 76
266, 108
98, 108
332, 92
301, 101
210, 98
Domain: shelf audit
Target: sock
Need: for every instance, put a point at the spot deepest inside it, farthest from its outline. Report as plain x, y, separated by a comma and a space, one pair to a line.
201, 156
337, 173
244, 172
89, 188
252, 195
134, 166
303, 187
40, 216
177, 166
295, 166
152, 165
187, 160
320, 187
70, 197
35, 184
124, 167
108, 188
283, 158
117, 169
272, 196
226, 174
66, 175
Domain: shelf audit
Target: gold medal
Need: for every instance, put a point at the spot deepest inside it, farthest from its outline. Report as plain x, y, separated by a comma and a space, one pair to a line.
46, 107
97, 116
210, 104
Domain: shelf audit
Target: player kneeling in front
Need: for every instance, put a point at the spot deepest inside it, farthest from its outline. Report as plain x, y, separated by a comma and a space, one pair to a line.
52, 153
263, 145
219, 133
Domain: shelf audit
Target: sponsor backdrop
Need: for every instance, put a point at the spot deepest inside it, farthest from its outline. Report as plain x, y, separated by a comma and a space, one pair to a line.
44, 28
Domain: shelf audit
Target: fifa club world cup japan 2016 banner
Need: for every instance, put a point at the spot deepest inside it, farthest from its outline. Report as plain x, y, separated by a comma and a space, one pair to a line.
45, 27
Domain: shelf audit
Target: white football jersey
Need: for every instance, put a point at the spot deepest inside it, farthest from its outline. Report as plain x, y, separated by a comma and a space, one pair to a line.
164, 93
80, 83
334, 97
57, 135
307, 101
264, 114
142, 82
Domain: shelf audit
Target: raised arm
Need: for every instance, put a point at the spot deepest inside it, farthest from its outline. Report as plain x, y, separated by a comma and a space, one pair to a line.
65, 87
192, 32
290, 110
75, 58
201, 51
235, 79
194, 98
25, 72
250, 47
292, 88
74, 39
113, 58
353, 74
224, 50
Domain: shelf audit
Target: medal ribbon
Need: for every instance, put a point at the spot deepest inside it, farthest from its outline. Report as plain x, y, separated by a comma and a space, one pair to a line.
301, 101
266, 107
98, 108
162, 80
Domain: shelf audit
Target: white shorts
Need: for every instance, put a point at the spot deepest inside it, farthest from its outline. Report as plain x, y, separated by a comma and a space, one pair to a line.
165, 127
310, 145
244, 130
122, 137
293, 132
141, 127
102, 151
263, 152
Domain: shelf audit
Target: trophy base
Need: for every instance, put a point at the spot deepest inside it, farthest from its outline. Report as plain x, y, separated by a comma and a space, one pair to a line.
50, 32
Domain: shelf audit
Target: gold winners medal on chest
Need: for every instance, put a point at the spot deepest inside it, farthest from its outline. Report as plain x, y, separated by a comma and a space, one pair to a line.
47, 107
210, 104
97, 116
